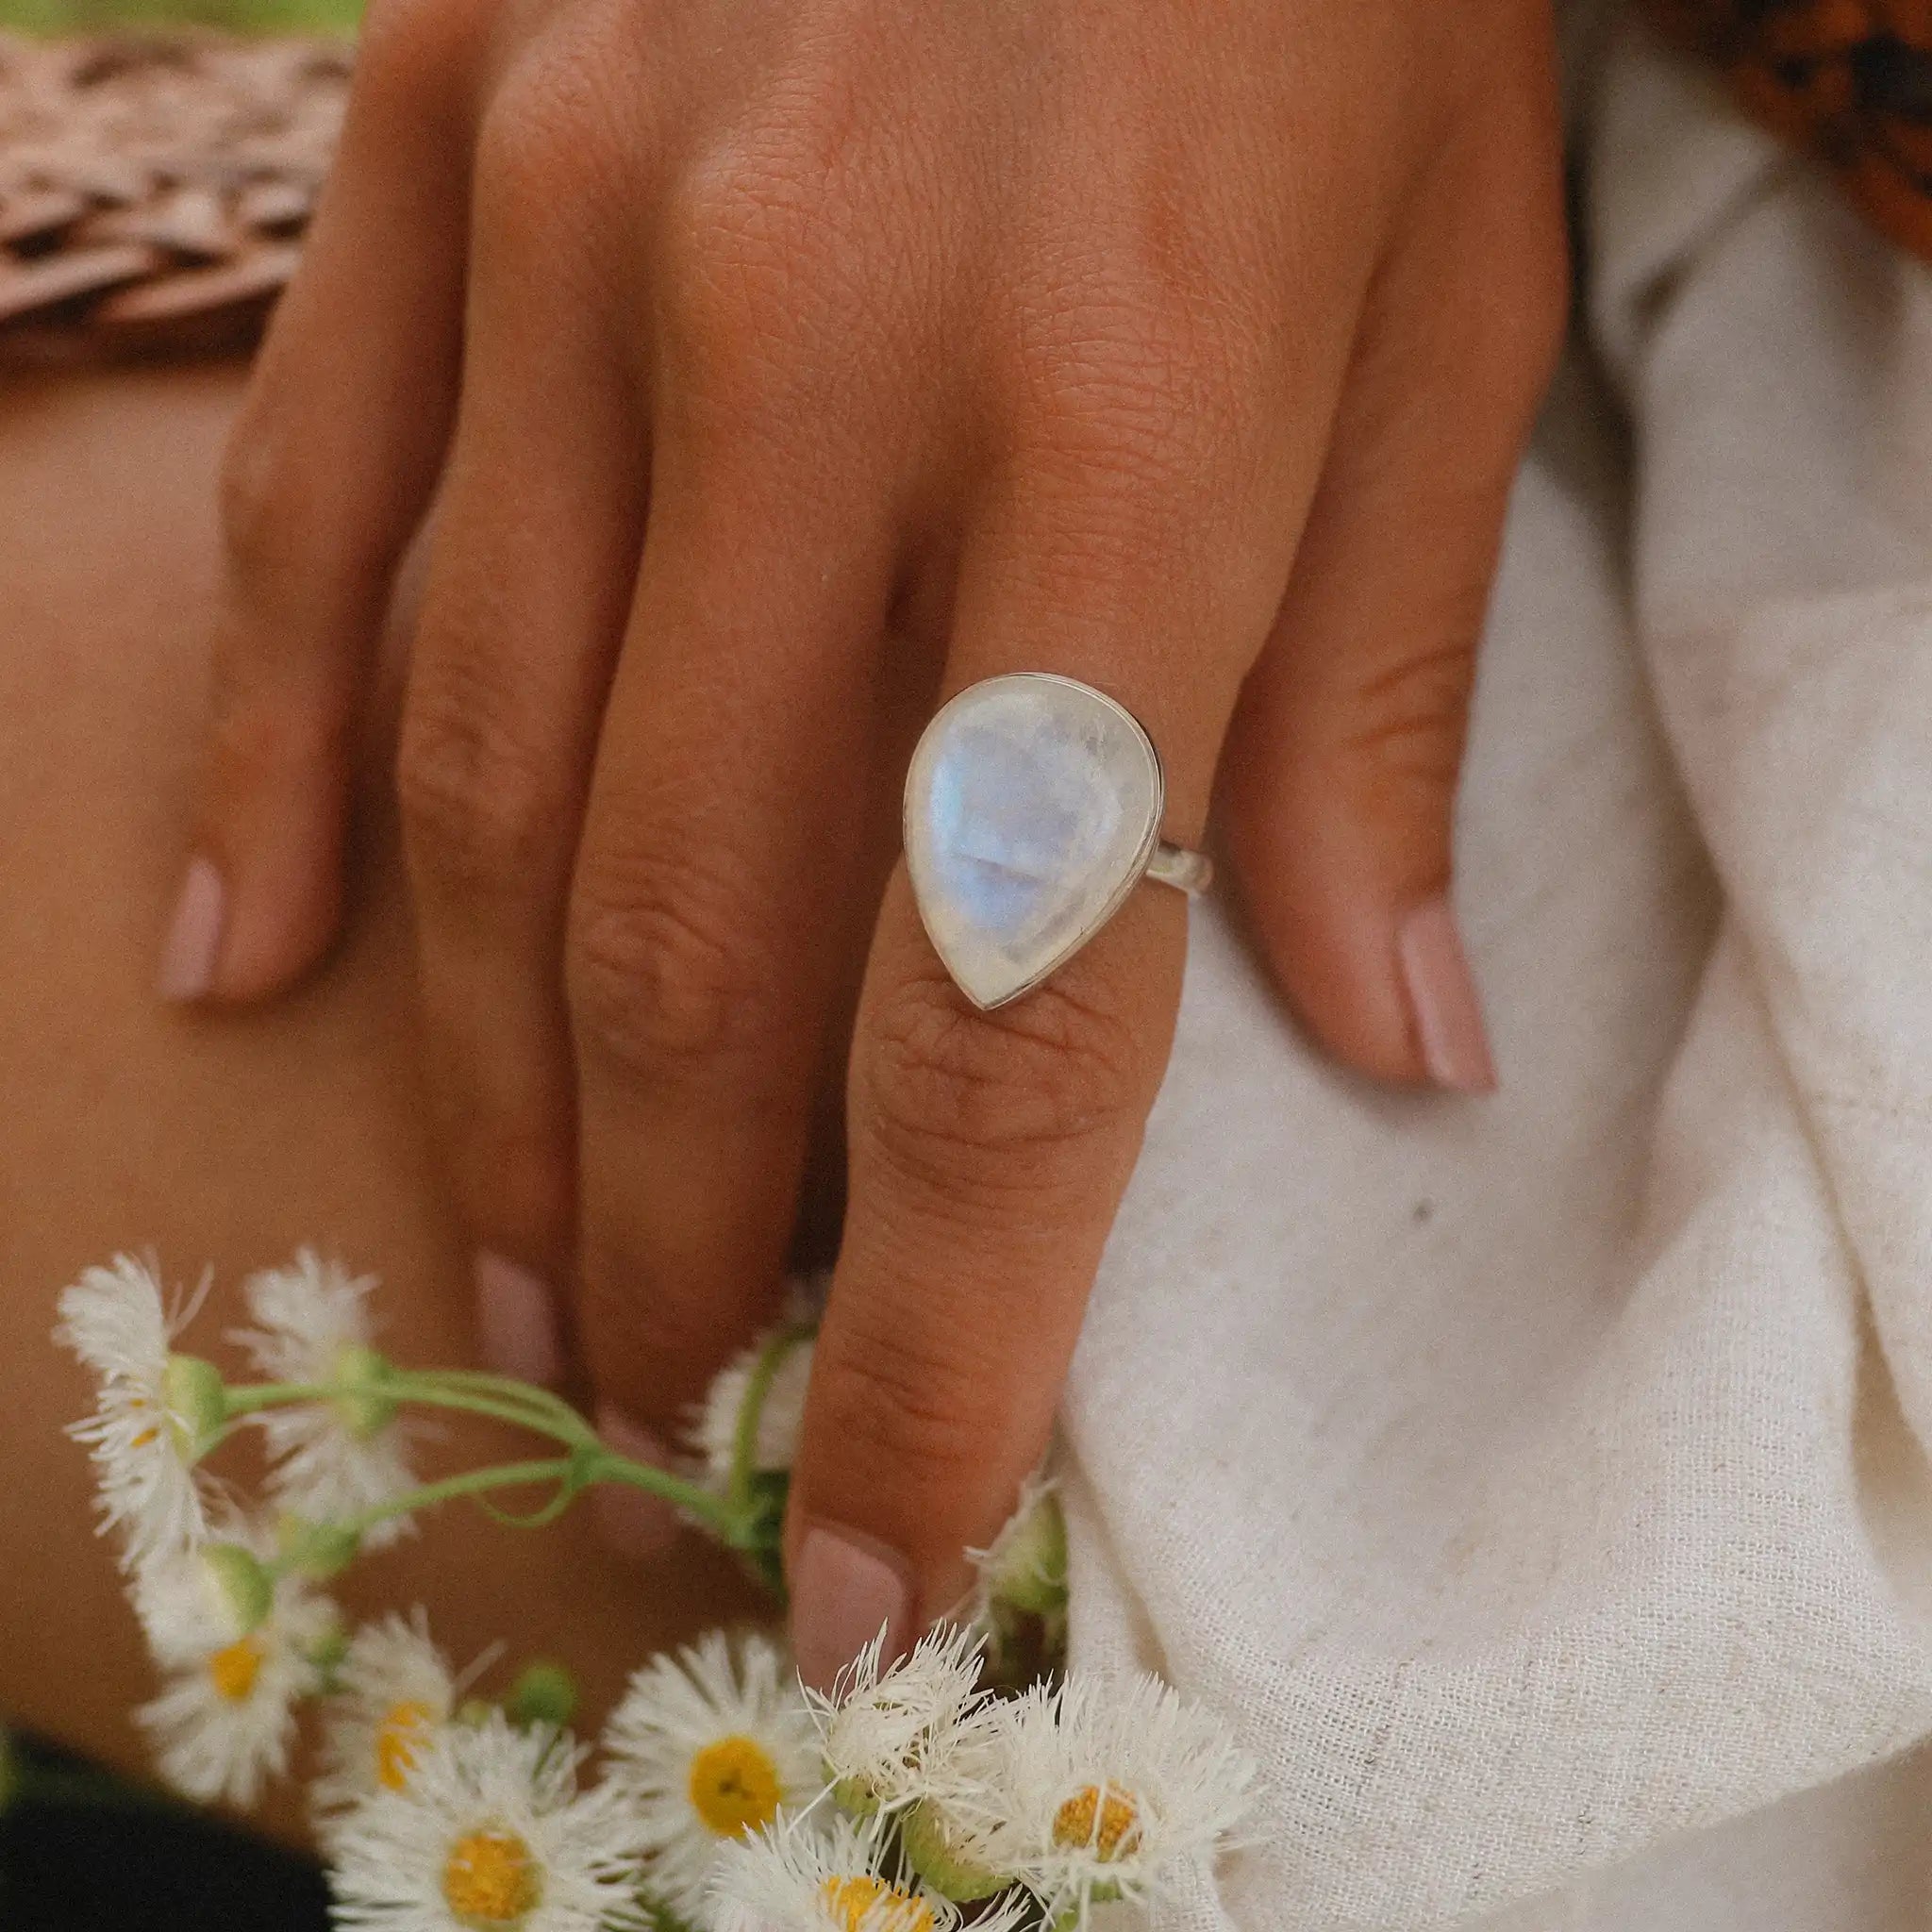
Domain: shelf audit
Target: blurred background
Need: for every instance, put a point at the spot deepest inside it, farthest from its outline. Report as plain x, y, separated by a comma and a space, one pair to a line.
86, 16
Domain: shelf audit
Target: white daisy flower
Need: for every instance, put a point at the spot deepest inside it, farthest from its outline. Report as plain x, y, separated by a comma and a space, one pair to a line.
156, 1414
241, 1652
489, 1833
791, 1879
331, 1460
1100, 1790
392, 1691
782, 1413
879, 1732
708, 1746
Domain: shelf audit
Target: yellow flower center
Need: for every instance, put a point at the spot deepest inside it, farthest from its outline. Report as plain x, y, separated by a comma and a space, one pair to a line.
1101, 1818
233, 1671
734, 1787
405, 1727
490, 1880
849, 1900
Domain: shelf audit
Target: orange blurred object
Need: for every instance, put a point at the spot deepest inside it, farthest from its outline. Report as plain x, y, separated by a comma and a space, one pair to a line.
1849, 80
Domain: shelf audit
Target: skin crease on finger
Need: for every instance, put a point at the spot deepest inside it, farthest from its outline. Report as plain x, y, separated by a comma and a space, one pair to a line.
1056, 323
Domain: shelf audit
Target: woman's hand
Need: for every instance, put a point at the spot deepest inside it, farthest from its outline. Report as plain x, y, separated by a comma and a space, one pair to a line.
780, 366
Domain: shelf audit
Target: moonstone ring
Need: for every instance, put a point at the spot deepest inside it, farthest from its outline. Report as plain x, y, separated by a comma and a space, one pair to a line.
1032, 810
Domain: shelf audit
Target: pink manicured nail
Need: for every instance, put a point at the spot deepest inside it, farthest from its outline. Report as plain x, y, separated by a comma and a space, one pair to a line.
845, 1590
194, 935
1443, 998
516, 1320
635, 1523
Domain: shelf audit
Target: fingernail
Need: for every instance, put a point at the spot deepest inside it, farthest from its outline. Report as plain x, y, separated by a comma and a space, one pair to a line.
635, 1523
194, 935
1443, 1001
845, 1590
516, 1320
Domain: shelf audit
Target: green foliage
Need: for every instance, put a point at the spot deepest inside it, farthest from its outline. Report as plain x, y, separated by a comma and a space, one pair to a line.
248, 16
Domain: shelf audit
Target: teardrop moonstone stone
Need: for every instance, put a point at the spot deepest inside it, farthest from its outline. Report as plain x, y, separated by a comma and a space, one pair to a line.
1032, 806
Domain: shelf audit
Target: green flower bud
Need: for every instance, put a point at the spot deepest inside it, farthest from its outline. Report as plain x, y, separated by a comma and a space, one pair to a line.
244, 1588
930, 1850
855, 1797
546, 1694
197, 1402
327, 1652
1026, 1567
362, 1400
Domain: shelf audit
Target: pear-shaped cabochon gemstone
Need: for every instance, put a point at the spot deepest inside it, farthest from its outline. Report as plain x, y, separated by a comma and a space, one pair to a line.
1032, 807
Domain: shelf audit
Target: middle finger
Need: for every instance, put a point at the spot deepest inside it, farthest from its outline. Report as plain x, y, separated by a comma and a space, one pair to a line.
715, 899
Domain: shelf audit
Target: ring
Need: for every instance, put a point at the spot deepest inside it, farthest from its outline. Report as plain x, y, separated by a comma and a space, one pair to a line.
1033, 807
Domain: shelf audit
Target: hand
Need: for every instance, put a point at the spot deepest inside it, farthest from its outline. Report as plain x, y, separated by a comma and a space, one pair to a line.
1187, 350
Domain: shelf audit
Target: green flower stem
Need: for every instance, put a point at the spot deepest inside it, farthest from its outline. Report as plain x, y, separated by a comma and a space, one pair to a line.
591, 1464
469, 1482
745, 1443
474, 1392
495, 1396
562, 1423
542, 1401
729, 1525
245, 1398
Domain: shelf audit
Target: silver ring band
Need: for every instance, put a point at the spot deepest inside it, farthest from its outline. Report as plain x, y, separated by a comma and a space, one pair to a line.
1187, 871
1033, 807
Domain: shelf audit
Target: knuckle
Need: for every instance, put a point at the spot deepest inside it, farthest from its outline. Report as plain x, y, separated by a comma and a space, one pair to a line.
480, 815
1410, 716
554, 151
662, 987
1125, 343
1140, 413
767, 277
766, 194
732, 314
1122, 380
990, 1103
894, 1398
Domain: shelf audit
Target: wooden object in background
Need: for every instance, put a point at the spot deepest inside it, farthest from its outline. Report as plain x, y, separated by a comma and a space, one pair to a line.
154, 189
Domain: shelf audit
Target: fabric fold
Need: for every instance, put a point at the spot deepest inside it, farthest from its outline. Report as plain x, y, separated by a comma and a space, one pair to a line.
1541, 1482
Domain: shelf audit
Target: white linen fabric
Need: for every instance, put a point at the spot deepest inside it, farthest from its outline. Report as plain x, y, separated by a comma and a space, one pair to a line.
1539, 1483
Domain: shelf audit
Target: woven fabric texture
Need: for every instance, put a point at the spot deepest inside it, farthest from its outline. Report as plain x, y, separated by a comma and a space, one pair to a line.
1541, 1481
